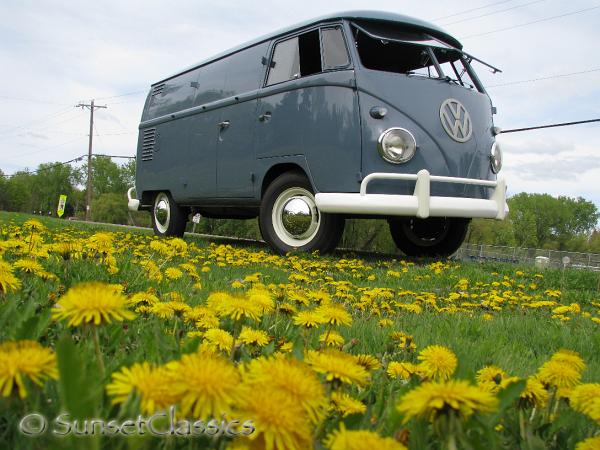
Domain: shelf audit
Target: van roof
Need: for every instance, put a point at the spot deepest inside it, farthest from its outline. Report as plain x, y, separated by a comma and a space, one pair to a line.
411, 22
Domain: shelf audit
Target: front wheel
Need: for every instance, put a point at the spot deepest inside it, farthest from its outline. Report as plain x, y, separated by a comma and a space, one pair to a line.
432, 237
289, 218
168, 218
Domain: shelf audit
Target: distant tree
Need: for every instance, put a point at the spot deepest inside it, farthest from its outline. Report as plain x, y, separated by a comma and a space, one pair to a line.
110, 208
52, 180
594, 242
541, 220
107, 176
20, 189
3, 191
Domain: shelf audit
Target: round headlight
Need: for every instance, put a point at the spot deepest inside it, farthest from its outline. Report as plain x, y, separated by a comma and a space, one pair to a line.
397, 145
496, 158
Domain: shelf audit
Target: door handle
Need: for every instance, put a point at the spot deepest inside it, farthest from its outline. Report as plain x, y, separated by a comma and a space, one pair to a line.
224, 124
264, 117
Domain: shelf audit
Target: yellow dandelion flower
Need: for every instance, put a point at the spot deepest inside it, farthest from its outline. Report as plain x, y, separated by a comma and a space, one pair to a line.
143, 298
178, 245
179, 307
592, 443
558, 374
236, 307
287, 308
156, 387
292, 377
92, 303
360, 440
308, 319
173, 273
347, 405
24, 359
334, 314
386, 323
218, 339
490, 374
435, 398
534, 394
401, 370
405, 341
162, 310
585, 398
280, 422
208, 384
8, 282
262, 297
369, 362
28, 266
338, 366
332, 339
251, 336
33, 225
569, 357
101, 242
437, 362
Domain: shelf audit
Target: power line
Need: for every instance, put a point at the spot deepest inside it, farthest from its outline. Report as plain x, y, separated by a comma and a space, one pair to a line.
545, 19
79, 158
116, 156
550, 77
492, 13
123, 95
554, 125
471, 10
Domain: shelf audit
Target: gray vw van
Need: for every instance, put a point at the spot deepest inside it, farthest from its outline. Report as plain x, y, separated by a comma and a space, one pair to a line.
357, 114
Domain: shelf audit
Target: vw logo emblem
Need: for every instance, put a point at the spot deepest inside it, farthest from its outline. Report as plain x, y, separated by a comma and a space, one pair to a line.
456, 120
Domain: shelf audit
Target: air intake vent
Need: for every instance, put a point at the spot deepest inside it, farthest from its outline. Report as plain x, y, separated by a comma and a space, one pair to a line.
148, 141
158, 89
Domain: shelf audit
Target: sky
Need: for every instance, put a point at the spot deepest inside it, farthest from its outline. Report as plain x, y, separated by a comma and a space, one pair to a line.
56, 54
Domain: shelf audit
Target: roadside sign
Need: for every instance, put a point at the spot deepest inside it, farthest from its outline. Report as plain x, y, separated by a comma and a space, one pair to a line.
62, 201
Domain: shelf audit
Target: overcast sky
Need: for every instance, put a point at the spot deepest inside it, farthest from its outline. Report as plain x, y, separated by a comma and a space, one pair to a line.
55, 54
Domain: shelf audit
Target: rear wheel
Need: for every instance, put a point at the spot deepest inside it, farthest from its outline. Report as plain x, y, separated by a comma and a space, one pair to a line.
168, 218
289, 218
434, 236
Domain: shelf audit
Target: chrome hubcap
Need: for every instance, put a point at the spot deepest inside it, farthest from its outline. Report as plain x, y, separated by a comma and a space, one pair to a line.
162, 212
295, 217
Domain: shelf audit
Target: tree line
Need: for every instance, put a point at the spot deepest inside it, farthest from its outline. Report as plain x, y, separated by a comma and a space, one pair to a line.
535, 220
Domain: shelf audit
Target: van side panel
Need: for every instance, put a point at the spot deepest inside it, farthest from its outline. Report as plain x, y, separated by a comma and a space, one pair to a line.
235, 146
316, 117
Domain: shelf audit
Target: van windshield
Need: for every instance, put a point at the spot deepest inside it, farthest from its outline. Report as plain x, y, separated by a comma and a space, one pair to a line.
413, 54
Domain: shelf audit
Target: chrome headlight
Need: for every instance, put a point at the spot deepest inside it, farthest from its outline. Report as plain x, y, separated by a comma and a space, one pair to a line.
496, 158
397, 145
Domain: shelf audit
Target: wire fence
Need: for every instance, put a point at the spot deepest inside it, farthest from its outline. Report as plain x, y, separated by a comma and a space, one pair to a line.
551, 258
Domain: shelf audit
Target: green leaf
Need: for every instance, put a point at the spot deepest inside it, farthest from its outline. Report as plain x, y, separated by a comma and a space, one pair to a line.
75, 385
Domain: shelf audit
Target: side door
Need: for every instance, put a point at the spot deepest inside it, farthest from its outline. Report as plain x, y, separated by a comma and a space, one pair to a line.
310, 108
201, 162
237, 123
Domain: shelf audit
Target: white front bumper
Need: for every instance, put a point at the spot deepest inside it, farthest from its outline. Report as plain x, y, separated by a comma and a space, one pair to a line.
421, 204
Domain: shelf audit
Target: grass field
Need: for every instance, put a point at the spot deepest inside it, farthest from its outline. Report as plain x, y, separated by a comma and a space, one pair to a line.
311, 349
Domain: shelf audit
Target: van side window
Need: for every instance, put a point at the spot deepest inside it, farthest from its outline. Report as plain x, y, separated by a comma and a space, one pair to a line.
296, 57
286, 62
310, 53
335, 53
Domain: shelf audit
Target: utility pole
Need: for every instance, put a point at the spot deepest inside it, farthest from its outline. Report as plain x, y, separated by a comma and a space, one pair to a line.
88, 206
